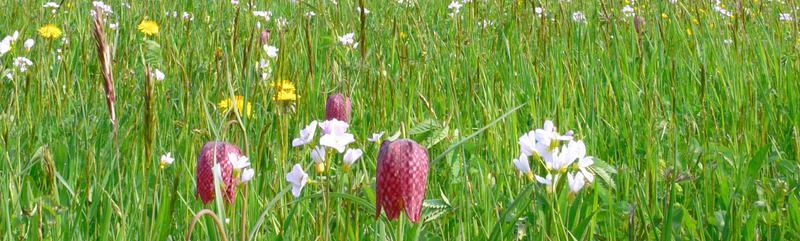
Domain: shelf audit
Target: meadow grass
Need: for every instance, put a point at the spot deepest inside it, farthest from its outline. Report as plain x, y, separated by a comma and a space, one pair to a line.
696, 112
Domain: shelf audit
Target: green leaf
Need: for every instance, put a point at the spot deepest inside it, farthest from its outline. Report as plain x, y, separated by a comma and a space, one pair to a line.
433, 214
435, 204
436, 137
476, 133
604, 171
757, 161
423, 127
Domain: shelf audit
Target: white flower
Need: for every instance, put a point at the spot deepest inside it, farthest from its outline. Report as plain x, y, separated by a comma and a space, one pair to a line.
335, 135
486, 23
527, 143
100, 4
318, 154
235, 2
334, 127
298, 178
786, 17
247, 175
455, 6
727, 41
583, 164
578, 17
337, 141
113, 25
539, 11
50, 5
306, 135
264, 14
351, 156
238, 162
28, 44
281, 22
575, 182
5, 44
724, 12
545, 135
166, 159
188, 16
375, 137
272, 51
158, 74
310, 14
523, 166
364, 10
628, 11
348, 40
22, 63
551, 181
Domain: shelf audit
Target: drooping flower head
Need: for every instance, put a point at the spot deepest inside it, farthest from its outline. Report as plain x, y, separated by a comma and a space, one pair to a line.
338, 107
219, 153
402, 174
148, 27
49, 31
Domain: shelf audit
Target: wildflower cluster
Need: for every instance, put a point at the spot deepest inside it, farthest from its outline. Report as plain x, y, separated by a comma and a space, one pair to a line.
335, 136
569, 159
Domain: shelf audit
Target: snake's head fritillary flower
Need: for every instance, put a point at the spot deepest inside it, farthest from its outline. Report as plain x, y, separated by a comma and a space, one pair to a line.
338, 107
297, 178
219, 153
263, 38
402, 174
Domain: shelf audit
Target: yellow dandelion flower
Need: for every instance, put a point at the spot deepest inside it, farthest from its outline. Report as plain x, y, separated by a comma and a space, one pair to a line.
226, 105
689, 31
49, 31
283, 85
285, 96
148, 27
284, 91
664, 16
